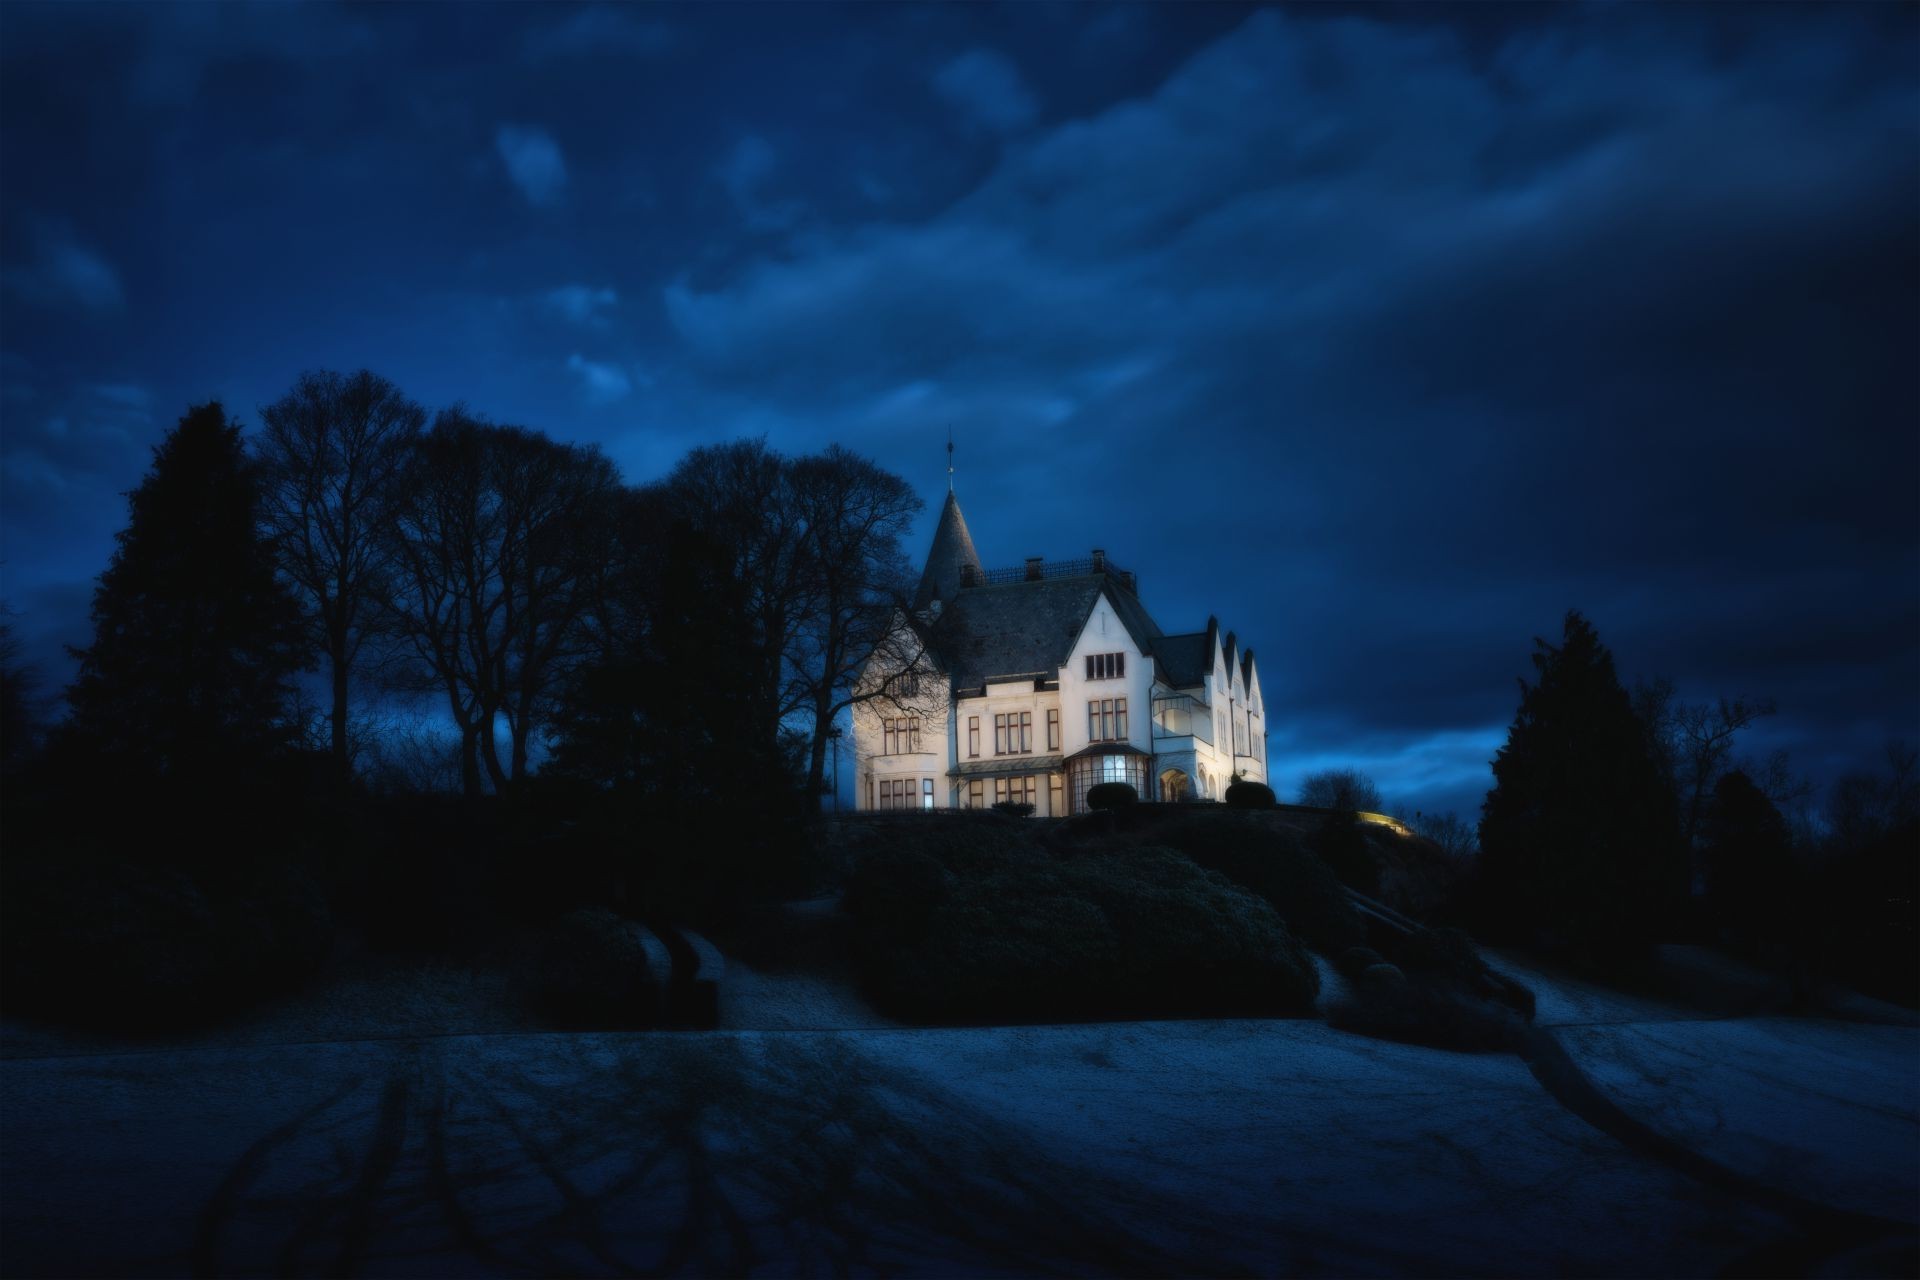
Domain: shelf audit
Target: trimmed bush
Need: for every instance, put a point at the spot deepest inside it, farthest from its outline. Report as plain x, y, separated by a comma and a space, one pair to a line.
1275, 865
1342, 845
1357, 960
1014, 808
1445, 952
1249, 795
592, 972
895, 893
1139, 932
104, 942
1393, 1007
1112, 795
1383, 974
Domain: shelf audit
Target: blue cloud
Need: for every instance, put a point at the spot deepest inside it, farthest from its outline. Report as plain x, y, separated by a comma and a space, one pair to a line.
65, 274
986, 86
603, 383
534, 163
582, 304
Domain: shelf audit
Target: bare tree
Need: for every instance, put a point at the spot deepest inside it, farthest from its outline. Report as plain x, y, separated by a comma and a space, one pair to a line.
558, 516
854, 515
499, 534
1347, 789
331, 449
1694, 742
740, 495
444, 599
1456, 837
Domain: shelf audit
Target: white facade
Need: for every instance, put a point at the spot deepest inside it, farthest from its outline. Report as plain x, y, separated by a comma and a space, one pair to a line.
1037, 684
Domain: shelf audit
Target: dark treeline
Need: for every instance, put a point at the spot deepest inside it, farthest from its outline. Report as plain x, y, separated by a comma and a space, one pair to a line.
1621, 818
640, 680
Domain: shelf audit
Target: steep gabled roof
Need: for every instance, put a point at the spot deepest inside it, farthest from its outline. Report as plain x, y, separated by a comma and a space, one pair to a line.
952, 551
1019, 629
1183, 661
1029, 628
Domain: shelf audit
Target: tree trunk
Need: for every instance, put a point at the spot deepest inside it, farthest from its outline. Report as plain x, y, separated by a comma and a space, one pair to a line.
817, 755
342, 758
469, 762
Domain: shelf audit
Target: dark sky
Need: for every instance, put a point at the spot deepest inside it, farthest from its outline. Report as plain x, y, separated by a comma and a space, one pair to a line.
1386, 334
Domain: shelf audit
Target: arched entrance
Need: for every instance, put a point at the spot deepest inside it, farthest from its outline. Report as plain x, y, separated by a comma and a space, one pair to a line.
1175, 785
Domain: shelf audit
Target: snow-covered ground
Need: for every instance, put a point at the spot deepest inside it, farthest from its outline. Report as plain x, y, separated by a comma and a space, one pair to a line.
1823, 1107
1148, 1147
813, 1136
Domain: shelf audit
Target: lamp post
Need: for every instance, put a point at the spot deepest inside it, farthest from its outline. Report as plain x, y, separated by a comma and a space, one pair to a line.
833, 736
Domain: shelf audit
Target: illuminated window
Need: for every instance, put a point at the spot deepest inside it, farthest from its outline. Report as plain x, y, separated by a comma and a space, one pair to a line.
1054, 806
1087, 772
976, 794
1106, 666
1014, 790
901, 736
1107, 720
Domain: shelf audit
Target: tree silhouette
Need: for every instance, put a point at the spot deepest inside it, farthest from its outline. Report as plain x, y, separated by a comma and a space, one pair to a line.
500, 541
1579, 838
670, 742
196, 639
1341, 789
1753, 886
19, 687
331, 450
855, 515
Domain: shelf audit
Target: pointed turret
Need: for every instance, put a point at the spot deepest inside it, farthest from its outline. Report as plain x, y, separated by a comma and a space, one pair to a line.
952, 552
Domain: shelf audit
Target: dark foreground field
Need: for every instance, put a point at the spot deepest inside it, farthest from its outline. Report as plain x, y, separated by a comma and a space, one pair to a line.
1267, 1146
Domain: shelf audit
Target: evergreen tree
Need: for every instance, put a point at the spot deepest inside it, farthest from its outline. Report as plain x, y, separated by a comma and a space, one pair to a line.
1752, 883
195, 637
1579, 837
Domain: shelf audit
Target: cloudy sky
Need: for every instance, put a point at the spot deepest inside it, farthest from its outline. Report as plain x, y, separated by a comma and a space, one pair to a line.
1386, 334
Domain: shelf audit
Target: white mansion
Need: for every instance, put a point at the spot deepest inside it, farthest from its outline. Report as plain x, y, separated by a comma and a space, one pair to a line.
1033, 684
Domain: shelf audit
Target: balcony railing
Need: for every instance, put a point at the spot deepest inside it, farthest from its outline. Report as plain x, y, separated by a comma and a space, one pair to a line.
1039, 570
1180, 716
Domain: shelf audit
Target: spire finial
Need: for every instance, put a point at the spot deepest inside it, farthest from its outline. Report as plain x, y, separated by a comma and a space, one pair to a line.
949, 457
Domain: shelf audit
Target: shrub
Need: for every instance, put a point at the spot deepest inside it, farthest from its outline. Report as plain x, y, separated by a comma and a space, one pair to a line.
1275, 865
1416, 1012
1249, 795
99, 941
1192, 941
1383, 974
1342, 845
591, 971
894, 893
1357, 960
1029, 936
1445, 952
1112, 795
1014, 808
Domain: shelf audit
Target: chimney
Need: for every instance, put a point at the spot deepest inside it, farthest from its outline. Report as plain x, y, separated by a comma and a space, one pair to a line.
1099, 560
1033, 568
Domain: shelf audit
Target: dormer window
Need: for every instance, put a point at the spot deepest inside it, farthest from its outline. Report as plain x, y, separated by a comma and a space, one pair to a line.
1106, 666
